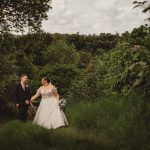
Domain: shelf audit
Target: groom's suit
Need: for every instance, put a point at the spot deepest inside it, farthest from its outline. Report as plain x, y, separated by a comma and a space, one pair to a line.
21, 95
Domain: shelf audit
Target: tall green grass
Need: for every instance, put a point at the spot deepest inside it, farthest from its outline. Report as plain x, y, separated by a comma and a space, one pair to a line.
26, 136
109, 123
118, 121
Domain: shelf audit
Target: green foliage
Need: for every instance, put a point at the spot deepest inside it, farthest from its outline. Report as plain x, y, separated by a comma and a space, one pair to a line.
86, 88
121, 70
143, 4
33, 45
13, 62
7, 43
127, 69
84, 60
24, 65
92, 42
61, 53
20, 14
7, 71
96, 74
139, 36
61, 75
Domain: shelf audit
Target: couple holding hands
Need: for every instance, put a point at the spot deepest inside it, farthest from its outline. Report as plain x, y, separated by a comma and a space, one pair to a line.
49, 114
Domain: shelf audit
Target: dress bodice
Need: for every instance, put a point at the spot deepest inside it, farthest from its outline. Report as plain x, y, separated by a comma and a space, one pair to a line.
46, 94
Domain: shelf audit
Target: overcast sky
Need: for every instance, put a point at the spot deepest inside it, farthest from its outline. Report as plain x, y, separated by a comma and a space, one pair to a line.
93, 16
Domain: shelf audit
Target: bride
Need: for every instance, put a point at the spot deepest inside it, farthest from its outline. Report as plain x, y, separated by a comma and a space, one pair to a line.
49, 114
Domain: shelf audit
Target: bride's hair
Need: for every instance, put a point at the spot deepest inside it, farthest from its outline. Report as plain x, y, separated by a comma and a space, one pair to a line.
47, 79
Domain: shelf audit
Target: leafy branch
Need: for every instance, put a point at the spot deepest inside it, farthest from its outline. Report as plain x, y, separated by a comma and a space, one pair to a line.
145, 5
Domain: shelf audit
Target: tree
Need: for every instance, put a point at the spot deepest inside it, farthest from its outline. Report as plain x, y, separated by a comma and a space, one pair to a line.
61, 53
145, 5
16, 15
139, 36
123, 70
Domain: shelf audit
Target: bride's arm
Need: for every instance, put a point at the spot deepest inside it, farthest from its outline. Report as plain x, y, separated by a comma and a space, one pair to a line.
55, 93
38, 93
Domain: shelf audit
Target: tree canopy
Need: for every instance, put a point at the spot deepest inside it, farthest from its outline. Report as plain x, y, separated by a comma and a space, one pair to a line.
18, 15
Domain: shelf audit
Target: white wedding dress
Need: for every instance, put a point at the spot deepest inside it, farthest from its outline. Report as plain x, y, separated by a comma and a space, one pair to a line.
49, 114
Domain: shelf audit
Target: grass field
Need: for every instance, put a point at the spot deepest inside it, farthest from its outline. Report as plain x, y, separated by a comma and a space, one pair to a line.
26, 136
114, 123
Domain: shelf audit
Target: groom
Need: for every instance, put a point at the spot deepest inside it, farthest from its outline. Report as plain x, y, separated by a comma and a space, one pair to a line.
22, 97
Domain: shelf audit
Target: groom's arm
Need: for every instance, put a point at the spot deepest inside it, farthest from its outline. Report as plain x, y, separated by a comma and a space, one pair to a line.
29, 94
16, 96
27, 101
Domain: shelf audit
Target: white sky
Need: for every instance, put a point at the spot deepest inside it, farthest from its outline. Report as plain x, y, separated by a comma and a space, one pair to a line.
93, 16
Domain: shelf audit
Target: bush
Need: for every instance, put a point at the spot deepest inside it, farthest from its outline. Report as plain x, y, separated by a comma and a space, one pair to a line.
121, 70
61, 53
61, 75
7, 109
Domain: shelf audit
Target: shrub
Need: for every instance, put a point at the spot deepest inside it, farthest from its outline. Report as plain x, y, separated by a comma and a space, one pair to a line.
61, 75
61, 53
121, 70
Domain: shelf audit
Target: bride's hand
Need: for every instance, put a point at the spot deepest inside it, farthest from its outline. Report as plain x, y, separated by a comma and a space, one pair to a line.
31, 101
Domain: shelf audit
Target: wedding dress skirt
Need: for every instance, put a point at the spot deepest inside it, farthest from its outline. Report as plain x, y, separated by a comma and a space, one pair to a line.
49, 114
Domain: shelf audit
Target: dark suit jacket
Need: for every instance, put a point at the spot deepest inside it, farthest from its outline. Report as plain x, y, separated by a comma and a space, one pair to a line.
22, 95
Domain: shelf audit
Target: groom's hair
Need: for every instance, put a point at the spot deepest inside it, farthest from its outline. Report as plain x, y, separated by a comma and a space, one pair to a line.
22, 75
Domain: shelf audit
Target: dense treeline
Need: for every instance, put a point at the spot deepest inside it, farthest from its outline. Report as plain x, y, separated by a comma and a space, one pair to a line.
32, 53
105, 78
